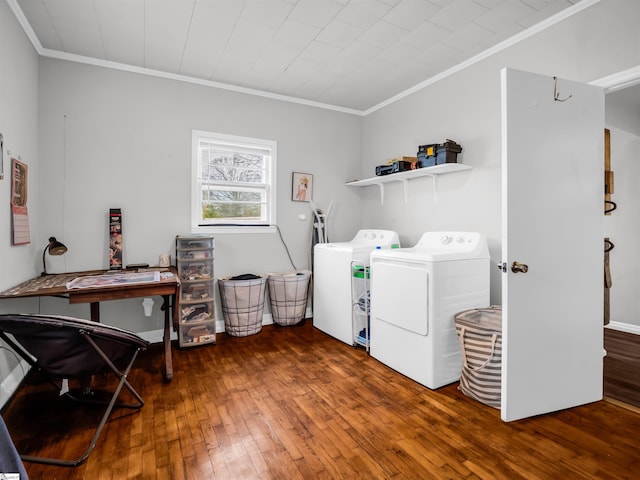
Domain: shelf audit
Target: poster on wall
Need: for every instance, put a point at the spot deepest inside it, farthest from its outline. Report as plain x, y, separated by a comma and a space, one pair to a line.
115, 239
19, 212
302, 187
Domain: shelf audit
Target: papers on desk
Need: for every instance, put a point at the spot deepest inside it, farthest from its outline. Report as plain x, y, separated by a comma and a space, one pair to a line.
113, 280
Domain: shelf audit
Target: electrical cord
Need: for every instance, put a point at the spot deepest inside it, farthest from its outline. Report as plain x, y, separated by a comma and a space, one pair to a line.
285, 247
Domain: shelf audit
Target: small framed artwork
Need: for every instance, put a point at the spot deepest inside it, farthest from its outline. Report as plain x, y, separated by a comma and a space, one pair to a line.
302, 187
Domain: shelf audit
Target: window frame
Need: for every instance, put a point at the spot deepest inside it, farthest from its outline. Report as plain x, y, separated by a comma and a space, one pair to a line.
196, 183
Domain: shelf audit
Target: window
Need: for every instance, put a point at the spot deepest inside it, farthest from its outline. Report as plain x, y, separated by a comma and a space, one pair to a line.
233, 182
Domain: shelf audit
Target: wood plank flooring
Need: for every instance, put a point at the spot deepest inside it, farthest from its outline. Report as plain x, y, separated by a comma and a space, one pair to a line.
293, 403
622, 366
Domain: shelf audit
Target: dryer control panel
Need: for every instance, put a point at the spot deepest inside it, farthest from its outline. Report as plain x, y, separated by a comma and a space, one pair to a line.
449, 239
461, 244
382, 238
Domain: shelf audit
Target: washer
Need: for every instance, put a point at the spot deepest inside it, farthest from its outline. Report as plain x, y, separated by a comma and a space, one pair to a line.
415, 294
332, 303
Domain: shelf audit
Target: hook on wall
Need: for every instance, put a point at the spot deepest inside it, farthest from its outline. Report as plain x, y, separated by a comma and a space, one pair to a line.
556, 95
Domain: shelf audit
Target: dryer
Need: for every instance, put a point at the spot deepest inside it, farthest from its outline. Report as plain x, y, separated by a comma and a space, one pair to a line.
415, 294
332, 303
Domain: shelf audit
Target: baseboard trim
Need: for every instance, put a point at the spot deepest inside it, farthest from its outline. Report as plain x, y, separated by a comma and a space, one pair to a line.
624, 327
621, 404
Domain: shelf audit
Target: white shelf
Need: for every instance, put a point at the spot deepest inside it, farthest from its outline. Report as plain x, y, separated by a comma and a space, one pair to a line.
404, 178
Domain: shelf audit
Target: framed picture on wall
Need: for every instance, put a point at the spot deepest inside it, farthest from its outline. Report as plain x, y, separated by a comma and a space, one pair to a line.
302, 187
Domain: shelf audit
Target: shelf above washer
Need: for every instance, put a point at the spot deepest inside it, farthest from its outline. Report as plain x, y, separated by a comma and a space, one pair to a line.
404, 178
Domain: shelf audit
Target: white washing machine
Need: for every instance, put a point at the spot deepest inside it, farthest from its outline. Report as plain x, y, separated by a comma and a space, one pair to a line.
415, 294
332, 304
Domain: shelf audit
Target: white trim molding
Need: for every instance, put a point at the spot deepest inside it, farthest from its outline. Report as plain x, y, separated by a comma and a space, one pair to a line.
620, 80
624, 327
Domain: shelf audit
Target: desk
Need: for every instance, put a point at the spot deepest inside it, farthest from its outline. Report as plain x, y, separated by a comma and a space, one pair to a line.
56, 286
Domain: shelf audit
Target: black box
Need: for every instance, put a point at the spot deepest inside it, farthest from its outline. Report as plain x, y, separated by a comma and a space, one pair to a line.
434, 154
399, 166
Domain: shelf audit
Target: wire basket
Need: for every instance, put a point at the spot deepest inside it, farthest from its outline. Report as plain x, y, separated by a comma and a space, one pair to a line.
288, 294
242, 304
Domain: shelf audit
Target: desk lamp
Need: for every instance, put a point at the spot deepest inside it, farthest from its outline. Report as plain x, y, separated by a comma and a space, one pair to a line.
55, 248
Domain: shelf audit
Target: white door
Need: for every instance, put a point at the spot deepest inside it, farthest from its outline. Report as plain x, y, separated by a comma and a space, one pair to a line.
552, 222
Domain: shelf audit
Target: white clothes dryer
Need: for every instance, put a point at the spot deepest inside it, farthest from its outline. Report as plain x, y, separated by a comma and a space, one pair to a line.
415, 294
332, 303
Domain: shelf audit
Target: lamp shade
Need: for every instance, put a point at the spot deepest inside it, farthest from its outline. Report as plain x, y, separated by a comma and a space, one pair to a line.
55, 248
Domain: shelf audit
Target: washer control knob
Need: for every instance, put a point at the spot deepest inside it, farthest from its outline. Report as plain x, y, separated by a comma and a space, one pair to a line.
445, 239
459, 239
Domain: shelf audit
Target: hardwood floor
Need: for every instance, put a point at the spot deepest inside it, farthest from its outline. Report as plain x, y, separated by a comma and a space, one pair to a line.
293, 403
622, 366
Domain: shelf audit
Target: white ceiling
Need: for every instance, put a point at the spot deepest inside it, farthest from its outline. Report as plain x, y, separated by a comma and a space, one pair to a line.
349, 54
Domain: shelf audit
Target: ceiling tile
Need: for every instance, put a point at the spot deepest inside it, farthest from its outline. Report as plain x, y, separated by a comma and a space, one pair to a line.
545, 10
494, 3
119, 22
502, 36
270, 13
465, 38
317, 13
339, 34
457, 14
504, 15
211, 26
410, 14
296, 75
320, 52
274, 60
363, 13
76, 24
295, 33
359, 52
166, 30
248, 41
425, 35
398, 53
315, 86
382, 34
438, 54
541, 4
41, 23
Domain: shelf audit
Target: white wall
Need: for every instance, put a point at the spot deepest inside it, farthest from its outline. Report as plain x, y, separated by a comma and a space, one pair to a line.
465, 106
18, 125
117, 139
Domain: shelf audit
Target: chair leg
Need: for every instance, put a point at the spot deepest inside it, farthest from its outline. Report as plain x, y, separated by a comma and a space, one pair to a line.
111, 404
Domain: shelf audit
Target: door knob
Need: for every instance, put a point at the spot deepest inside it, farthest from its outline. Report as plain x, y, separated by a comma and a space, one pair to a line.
517, 267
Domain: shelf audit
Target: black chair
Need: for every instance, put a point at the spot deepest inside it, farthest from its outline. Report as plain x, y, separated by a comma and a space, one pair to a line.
72, 348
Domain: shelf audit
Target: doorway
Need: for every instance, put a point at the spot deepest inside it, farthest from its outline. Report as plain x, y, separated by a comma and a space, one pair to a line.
622, 227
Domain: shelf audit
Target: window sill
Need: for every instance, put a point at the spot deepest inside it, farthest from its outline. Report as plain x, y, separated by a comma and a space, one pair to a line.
235, 229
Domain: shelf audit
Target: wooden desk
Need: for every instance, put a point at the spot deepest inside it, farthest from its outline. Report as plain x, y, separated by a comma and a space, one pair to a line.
56, 286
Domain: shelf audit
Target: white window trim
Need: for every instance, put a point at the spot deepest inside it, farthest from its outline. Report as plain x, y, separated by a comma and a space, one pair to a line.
196, 186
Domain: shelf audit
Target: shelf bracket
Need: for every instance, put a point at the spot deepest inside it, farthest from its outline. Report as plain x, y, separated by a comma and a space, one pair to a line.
381, 187
435, 188
405, 185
